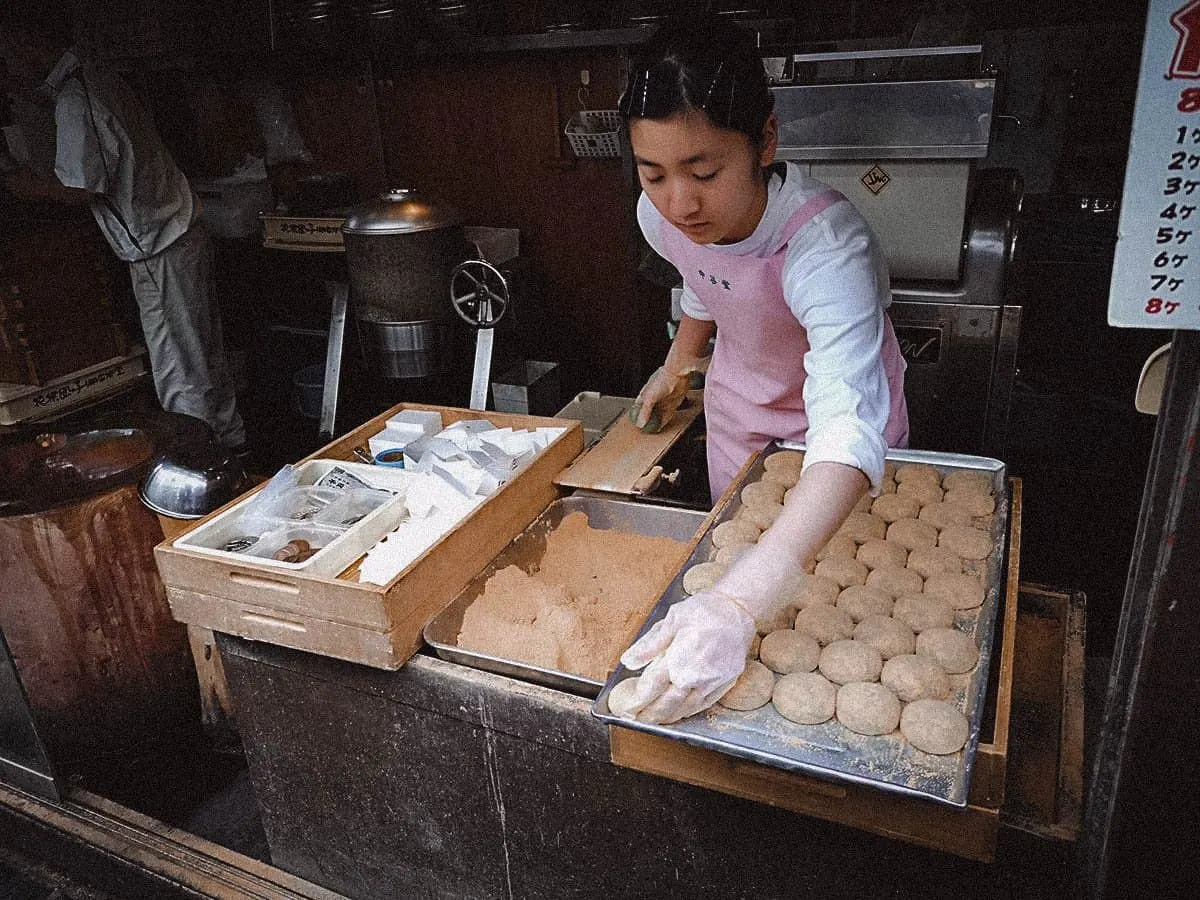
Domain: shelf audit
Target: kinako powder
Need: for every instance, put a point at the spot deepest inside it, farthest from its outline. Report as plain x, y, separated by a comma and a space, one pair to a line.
582, 605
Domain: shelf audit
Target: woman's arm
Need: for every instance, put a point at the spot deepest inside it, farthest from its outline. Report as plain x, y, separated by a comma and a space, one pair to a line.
816, 508
665, 389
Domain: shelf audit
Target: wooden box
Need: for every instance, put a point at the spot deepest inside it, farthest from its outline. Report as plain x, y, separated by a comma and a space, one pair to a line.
969, 832
377, 625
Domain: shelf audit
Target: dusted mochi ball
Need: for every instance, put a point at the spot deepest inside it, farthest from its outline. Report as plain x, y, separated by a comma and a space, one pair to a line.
762, 493
818, 590
976, 503
868, 708
924, 492
725, 556
752, 689
919, 612
929, 561
862, 601
912, 533
895, 582
785, 477
825, 624
763, 514
702, 576
960, 591
807, 698
839, 546
967, 480
913, 677
784, 459
939, 515
950, 648
934, 727
620, 698
787, 651
735, 531
846, 661
844, 571
889, 636
969, 543
860, 527
918, 472
891, 507
877, 554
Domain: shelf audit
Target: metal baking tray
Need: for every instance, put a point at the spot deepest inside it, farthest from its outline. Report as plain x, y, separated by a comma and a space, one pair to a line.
830, 750
526, 550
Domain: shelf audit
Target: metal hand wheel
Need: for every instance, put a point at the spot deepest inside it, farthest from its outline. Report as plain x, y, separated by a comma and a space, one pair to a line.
479, 295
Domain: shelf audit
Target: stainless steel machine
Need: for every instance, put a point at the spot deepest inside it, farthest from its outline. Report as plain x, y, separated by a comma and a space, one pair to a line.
904, 149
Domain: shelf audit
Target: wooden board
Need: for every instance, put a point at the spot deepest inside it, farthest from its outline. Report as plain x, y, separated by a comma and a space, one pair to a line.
626, 453
377, 625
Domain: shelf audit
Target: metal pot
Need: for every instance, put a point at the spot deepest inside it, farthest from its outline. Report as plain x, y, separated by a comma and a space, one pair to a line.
400, 250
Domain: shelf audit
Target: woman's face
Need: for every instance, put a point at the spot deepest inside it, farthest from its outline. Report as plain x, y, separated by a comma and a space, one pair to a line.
706, 181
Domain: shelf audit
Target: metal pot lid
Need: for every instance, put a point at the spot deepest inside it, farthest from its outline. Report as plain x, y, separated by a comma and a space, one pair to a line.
399, 211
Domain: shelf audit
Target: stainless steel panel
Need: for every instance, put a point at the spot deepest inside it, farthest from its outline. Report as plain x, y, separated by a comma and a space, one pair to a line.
885, 120
951, 354
831, 751
526, 550
893, 194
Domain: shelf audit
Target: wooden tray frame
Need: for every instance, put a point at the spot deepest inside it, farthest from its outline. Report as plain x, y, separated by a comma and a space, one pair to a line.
377, 625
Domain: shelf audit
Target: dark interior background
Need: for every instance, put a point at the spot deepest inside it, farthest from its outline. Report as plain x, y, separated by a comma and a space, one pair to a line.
467, 102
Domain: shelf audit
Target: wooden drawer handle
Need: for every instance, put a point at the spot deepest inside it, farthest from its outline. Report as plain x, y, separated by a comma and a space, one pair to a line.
272, 622
260, 581
790, 780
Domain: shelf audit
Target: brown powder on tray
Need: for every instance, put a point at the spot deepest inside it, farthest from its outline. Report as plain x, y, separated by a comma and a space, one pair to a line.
581, 607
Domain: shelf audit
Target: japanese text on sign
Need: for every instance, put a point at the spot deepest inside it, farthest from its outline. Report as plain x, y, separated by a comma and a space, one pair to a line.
1156, 270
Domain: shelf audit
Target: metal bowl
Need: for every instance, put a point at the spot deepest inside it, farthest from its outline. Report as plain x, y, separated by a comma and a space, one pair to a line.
190, 482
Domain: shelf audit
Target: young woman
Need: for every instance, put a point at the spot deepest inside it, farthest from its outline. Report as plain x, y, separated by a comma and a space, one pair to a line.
791, 280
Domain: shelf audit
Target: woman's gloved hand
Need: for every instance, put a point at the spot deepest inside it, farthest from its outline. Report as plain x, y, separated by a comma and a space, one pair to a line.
692, 656
663, 393
697, 651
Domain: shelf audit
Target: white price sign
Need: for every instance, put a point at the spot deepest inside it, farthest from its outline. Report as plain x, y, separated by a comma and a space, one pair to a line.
1156, 271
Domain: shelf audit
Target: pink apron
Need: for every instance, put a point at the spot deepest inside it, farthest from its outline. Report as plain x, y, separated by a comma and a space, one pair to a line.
754, 390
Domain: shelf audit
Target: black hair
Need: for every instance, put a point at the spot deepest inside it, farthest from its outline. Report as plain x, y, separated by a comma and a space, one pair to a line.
703, 63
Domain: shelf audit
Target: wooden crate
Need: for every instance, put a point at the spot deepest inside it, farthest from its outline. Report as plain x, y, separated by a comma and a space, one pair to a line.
969, 832
377, 625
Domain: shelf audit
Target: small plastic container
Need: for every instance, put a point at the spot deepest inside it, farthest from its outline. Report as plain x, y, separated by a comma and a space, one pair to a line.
229, 537
350, 508
314, 537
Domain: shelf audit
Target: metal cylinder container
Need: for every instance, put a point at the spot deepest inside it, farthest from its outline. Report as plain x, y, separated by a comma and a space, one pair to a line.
400, 250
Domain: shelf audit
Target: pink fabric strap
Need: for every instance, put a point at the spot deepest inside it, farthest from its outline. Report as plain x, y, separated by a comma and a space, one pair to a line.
809, 209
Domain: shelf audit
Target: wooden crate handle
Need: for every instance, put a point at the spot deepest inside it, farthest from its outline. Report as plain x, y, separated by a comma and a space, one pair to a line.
262, 581
273, 622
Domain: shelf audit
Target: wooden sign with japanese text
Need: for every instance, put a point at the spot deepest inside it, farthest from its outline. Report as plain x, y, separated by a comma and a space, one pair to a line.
1156, 270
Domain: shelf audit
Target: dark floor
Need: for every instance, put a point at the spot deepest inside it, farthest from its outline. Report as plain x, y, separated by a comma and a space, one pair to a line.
23, 877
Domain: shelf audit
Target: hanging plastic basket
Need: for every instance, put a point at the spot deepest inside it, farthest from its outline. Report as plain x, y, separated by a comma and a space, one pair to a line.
595, 133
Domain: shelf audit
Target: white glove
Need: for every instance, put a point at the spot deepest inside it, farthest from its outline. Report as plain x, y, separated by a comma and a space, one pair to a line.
698, 650
664, 392
695, 654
